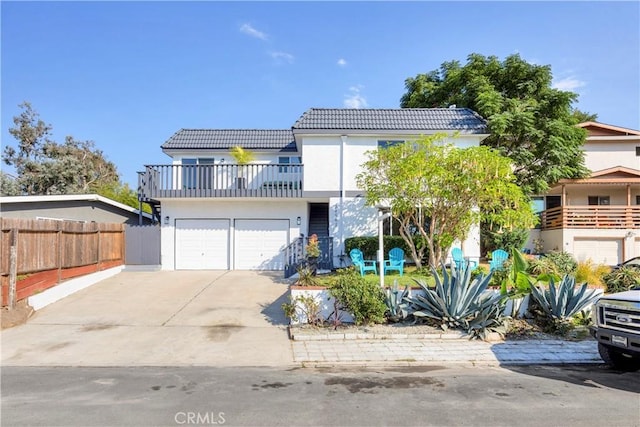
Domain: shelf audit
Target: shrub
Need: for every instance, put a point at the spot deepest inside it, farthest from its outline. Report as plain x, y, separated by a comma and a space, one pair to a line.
363, 299
478, 271
591, 273
621, 279
369, 245
564, 262
501, 274
507, 240
307, 277
303, 307
555, 264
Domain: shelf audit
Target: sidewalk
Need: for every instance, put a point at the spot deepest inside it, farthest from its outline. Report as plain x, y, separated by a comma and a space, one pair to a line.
399, 351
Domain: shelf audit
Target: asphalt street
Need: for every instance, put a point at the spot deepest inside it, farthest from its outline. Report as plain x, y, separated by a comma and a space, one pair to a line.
542, 395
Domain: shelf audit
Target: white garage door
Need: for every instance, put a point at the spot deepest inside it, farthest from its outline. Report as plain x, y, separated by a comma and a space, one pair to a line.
259, 244
601, 251
202, 244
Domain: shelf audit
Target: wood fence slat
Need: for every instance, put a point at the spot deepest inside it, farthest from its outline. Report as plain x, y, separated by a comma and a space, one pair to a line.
50, 245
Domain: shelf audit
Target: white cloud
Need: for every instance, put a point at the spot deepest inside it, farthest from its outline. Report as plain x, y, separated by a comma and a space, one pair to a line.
250, 31
342, 62
568, 83
354, 99
282, 57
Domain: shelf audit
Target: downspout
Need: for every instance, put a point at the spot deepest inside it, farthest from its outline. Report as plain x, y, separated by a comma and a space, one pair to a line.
343, 144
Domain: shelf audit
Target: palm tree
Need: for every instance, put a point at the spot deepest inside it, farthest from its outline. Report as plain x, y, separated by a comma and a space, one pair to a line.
242, 157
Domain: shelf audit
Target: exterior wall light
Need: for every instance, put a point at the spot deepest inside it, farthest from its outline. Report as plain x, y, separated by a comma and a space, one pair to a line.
298, 221
166, 220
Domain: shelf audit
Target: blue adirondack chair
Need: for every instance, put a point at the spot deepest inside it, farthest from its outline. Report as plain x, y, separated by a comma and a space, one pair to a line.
460, 262
363, 265
395, 261
498, 257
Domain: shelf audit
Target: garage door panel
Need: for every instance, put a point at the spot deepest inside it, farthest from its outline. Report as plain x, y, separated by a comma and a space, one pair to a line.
202, 244
600, 251
259, 244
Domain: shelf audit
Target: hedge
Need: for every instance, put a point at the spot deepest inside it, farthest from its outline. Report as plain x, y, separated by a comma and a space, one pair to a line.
369, 245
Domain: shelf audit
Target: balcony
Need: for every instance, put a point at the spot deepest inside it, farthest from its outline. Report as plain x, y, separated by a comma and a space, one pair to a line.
220, 180
594, 217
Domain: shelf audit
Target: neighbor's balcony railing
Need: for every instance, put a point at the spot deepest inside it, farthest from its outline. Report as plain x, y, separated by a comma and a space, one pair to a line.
254, 180
590, 217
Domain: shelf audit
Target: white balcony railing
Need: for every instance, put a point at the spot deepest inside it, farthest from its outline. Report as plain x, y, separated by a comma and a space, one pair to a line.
253, 180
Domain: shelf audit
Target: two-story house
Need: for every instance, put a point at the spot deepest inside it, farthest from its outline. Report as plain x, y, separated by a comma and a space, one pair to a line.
597, 217
216, 214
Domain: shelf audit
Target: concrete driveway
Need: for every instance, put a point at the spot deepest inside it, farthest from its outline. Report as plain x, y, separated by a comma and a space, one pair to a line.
160, 318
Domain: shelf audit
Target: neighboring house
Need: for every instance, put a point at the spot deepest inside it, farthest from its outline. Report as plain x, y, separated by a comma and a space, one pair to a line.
73, 207
598, 217
220, 215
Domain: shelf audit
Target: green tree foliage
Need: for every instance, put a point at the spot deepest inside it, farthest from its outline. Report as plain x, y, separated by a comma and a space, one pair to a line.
529, 121
437, 192
122, 193
8, 185
47, 167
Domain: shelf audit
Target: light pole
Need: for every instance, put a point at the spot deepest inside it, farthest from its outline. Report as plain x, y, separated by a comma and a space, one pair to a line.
383, 213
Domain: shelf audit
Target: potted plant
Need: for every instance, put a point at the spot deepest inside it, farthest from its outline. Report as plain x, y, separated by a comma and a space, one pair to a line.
242, 157
312, 251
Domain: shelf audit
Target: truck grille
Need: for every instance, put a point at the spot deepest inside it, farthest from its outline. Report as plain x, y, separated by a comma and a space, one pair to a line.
619, 315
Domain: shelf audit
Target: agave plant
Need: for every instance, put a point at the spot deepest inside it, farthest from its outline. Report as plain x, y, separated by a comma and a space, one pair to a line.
397, 308
565, 300
459, 302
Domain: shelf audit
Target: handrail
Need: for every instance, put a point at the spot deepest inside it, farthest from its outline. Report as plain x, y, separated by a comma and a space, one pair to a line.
602, 217
221, 180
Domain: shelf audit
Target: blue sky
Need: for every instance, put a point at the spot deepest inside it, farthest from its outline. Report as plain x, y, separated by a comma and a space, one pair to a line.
127, 75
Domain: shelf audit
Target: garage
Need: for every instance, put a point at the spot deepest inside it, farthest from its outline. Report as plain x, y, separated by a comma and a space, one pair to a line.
202, 244
259, 243
601, 251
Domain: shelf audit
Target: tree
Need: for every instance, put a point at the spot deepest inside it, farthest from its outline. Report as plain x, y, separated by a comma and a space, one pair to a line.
122, 193
582, 116
8, 185
529, 121
46, 167
438, 192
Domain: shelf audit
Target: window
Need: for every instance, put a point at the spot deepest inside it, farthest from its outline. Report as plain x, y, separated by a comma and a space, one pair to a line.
637, 151
537, 204
289, 161
598, 200
197, 177
382, 143
637, 200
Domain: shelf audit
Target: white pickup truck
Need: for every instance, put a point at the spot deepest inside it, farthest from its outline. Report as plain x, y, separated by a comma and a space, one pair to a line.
616, 326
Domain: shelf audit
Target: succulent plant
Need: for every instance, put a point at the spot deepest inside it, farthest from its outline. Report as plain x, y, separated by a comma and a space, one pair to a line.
458, 302
397, 308
565, 300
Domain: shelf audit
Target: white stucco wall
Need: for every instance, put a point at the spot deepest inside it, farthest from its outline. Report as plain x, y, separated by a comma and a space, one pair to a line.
321, 159
231, 209
350, 218
321, 156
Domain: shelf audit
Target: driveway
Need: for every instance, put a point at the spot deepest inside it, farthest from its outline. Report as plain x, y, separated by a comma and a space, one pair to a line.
160, 318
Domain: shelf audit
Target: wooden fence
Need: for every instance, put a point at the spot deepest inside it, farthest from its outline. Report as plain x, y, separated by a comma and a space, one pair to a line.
38, 254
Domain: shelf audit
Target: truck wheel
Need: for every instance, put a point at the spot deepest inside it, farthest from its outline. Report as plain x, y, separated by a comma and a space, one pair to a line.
617, 359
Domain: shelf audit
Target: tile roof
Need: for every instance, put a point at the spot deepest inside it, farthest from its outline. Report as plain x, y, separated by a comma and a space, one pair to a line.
401, 119
256, 139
